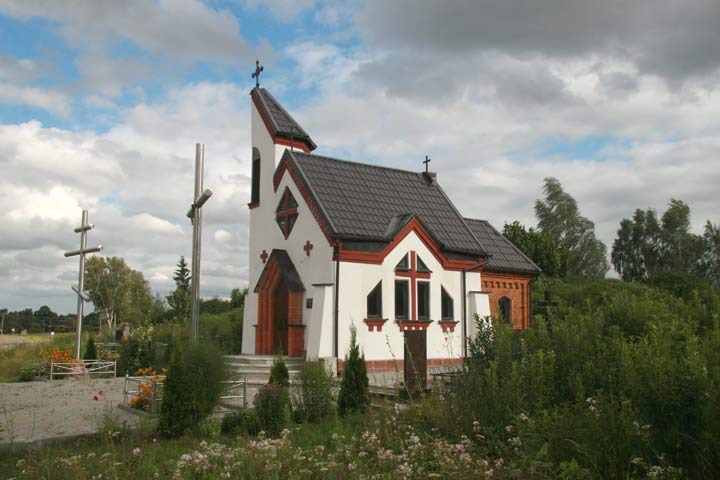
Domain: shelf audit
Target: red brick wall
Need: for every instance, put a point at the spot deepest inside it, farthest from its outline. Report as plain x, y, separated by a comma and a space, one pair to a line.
376, 366
514, 286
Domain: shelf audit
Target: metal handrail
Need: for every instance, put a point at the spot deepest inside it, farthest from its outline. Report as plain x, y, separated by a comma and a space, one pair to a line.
83, 367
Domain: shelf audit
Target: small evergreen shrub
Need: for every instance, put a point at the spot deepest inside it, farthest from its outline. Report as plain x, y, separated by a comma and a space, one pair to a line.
279, 372
272, 405
313, 393
28, 373
354, 389
192, 389
90, 350
240, 422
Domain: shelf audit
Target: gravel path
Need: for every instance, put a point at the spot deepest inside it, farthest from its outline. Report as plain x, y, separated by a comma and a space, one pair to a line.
43, 410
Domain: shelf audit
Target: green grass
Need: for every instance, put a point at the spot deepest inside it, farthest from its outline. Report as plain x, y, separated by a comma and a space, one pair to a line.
14, 359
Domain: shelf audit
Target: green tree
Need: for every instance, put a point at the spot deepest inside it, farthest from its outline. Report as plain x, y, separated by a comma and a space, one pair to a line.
637, 250
237, 297
179, 300
710, 261
354, 393
538, 246
119, 293
559, 218
681, 250
646, 246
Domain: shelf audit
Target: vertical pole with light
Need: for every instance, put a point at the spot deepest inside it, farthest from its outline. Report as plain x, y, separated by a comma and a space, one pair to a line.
195, 215
82, 296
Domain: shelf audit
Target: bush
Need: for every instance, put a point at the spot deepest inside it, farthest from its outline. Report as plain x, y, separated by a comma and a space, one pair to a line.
272, 405
28, 373
241, 422
313, 392
223, 330
90, 350
279, 372
192, 389
354, 389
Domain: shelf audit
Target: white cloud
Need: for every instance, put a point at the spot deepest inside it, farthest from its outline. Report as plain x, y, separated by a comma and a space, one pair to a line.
46, 99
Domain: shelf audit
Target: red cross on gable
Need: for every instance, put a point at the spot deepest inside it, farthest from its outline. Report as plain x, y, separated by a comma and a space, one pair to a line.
264, 256
413, 274
308, 246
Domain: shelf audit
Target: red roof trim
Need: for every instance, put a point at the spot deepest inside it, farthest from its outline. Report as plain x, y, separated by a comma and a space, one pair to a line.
413, 226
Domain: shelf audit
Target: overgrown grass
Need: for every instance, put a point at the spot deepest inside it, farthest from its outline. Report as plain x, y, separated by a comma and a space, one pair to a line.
14, 359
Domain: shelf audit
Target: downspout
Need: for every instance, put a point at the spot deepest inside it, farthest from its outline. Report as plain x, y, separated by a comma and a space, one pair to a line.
464, 303
337, 304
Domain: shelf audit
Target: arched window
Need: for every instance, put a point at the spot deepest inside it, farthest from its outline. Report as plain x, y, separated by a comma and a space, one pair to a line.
505, 310
255, 182
374, 302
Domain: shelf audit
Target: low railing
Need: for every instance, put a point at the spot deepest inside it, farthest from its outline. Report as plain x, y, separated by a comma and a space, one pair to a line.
234, 393
83, 368
145, 389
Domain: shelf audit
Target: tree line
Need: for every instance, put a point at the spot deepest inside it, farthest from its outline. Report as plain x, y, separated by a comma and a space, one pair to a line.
647, 246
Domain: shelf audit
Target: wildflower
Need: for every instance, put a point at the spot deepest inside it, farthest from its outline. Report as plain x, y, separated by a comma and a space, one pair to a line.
20, 463
351, 466
186, 457
90, 455
509, 429
415, 439
137, 452
405, 470
523, 417
96, 398
465, 458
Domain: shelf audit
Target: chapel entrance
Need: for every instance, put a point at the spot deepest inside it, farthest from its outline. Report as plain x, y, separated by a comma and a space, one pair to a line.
279, 327
280, 322
415, 361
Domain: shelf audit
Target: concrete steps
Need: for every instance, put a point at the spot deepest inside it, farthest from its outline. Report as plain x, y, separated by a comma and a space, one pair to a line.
256, 370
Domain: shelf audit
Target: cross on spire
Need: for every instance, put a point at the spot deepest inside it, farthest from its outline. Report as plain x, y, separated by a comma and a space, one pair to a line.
258, 68
426, 162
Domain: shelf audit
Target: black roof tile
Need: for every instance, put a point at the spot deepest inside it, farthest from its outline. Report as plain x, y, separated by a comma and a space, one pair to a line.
283, 124
363, 201
504, 255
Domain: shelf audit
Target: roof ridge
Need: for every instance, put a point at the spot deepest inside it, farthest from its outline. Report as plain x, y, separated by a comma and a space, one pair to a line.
364, 164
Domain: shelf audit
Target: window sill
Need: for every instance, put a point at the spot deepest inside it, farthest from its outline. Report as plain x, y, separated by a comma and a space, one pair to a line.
448, 326
413, 325
375, 324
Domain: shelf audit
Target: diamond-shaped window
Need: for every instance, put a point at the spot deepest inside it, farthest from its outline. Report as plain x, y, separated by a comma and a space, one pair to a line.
286, 213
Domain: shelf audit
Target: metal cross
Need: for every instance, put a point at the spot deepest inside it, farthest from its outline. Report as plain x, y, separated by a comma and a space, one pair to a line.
308, 246
82, 296
547, 302
258, 68
426, 162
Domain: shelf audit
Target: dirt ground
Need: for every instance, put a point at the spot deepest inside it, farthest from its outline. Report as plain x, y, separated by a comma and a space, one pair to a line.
43, 410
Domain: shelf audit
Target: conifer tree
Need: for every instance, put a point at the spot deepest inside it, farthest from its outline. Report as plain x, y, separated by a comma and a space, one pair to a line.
279, 373
354, 389
179, 300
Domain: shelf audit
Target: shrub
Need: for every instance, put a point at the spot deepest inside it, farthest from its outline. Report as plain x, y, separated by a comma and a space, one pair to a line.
192, 388
272, 405
354, 389
313, 392
28, 373
90, 350
279, 372
241, 422
223, 330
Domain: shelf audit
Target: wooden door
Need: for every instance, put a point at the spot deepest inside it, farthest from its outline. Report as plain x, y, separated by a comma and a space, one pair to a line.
415, 361
280, 322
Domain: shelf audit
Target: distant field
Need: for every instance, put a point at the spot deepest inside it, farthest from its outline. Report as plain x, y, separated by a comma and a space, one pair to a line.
18, 351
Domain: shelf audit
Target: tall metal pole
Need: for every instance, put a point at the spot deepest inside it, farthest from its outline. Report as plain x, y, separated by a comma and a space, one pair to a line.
81, 282
79, 290
197, 238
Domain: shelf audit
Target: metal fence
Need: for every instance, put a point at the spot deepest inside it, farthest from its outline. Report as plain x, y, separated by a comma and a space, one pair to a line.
234, 394
148, 388
83, 368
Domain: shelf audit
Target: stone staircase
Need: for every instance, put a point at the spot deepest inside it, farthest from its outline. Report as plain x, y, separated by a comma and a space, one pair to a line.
256, 370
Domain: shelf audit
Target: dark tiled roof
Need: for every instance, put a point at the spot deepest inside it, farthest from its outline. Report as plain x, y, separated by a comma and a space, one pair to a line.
283, 124
504, 255
287, 268
369, 202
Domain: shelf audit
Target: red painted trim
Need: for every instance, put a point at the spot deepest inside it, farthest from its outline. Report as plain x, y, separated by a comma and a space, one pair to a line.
300, 144
413, 324
448, 325
284, 166
253, 205
414, 225
375, 323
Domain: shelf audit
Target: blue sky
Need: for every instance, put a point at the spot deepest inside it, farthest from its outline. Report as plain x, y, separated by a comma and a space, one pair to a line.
101, 104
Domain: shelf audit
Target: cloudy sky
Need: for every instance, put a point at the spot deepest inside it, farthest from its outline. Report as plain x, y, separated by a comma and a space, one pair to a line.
101, 103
